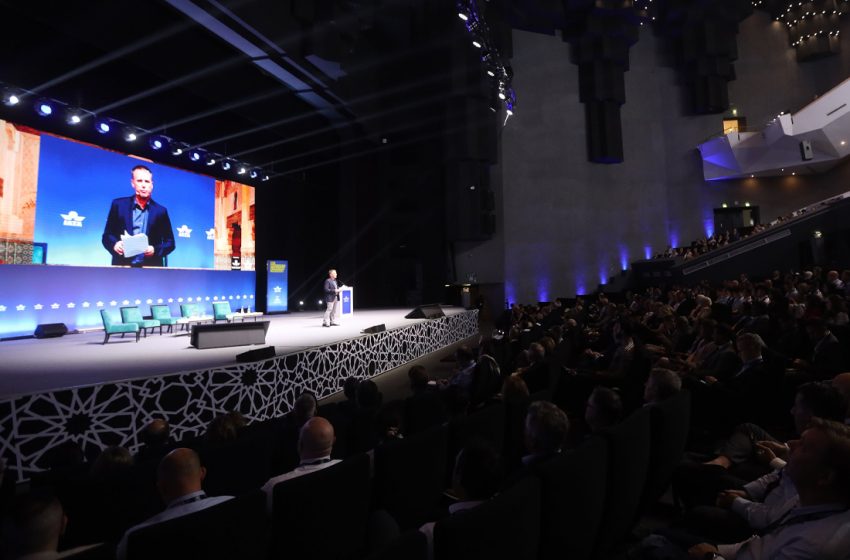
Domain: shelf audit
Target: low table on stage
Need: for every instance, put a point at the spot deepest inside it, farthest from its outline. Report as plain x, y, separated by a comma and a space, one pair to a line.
220, 335
187, 322
246, 315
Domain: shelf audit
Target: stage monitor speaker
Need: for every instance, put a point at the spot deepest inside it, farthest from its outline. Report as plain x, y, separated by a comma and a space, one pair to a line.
429, 311
50, 330
806, 150
376, 329
256, 355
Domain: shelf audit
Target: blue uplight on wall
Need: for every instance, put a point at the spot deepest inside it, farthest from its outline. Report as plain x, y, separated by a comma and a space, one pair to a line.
674, 239
647, 252
624, 258
603, 276
580, 289
542, 289
510, 293
708, 224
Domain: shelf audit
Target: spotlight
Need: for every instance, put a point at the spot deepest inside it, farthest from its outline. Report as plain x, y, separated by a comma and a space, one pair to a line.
226, 165
195, 155
211, 160
265, 177
11, 97
157, 142
242, 170
476, 44
73, 116
44, 108
502, 95
491, 73
463, 16
254, 174
103, 126
178, 148
130, 134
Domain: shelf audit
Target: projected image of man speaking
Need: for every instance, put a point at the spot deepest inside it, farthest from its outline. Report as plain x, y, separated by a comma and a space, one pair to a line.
139, 213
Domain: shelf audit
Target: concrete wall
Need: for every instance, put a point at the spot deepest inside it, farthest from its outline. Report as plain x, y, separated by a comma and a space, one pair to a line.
569, 224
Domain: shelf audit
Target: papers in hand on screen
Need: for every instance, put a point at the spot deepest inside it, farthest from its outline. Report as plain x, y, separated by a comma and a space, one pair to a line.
134, 244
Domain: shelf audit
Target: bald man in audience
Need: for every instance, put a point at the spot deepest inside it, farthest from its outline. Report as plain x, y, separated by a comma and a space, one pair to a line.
178, 482
315, 444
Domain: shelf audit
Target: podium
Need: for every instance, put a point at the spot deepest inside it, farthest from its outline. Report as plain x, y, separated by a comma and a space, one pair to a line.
346, 300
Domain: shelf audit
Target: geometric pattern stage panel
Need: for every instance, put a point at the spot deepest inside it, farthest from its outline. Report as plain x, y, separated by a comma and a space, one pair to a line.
112, 413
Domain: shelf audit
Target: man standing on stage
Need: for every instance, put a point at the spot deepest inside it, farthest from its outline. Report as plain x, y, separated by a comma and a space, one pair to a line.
331, 300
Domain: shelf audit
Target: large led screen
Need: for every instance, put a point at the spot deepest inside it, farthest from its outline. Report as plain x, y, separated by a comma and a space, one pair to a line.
64, 202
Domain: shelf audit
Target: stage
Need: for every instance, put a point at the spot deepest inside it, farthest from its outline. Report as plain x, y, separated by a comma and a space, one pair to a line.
76, 388
36, 365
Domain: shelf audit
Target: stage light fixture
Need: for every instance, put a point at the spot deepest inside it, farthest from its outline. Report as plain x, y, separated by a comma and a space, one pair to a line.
265, 177
476, 44
491, 73
130, 134
44, 108
254, 174
226, 165
11, 97
463, 16
211, 160
158, 142
73, 116
242, 170
502, 95
178, 148
103, 126
195, 155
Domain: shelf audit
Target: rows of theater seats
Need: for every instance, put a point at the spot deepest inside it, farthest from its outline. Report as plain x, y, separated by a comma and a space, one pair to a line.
577, 506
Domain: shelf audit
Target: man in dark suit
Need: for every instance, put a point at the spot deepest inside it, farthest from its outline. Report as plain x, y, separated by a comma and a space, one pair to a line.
139, 214
331, 300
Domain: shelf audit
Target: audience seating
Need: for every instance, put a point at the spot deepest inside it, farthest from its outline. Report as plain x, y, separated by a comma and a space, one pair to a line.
670, 422
236, 467
409, 476
411, 545
133, 315
237, 528
504, 527
110, 327
628, 462
221, 311
573, 497
487, 423
323, 515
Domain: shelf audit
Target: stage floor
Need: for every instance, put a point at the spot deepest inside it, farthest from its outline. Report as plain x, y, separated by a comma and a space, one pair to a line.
32, 365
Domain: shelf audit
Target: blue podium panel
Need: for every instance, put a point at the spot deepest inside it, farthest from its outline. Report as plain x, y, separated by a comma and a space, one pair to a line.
74, 295
277, 286
347, 300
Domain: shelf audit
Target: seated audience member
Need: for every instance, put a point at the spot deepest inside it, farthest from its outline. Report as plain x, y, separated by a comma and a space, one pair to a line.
604, 409
285, 457
841, 382
462, 376
155, 439
546, 430
363, 428
32, 528
315, 446
476, 478
425, 407
486, 378
817, 528
112, 460
537, 375
827, 354
661, 385
222, 429
179, 479
816, 399
723, 362
347, 408
514, 391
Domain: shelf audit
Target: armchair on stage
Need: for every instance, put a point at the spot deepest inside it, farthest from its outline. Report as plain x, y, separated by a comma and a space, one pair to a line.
111, 326
133, 315
162, 313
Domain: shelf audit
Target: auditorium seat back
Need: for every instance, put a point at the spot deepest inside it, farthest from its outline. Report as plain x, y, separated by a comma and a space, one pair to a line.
409, 476
410, 545
504, 527
323, 515
236, 467
670, 423
628, 462
573, 498
487, 424
237, 528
